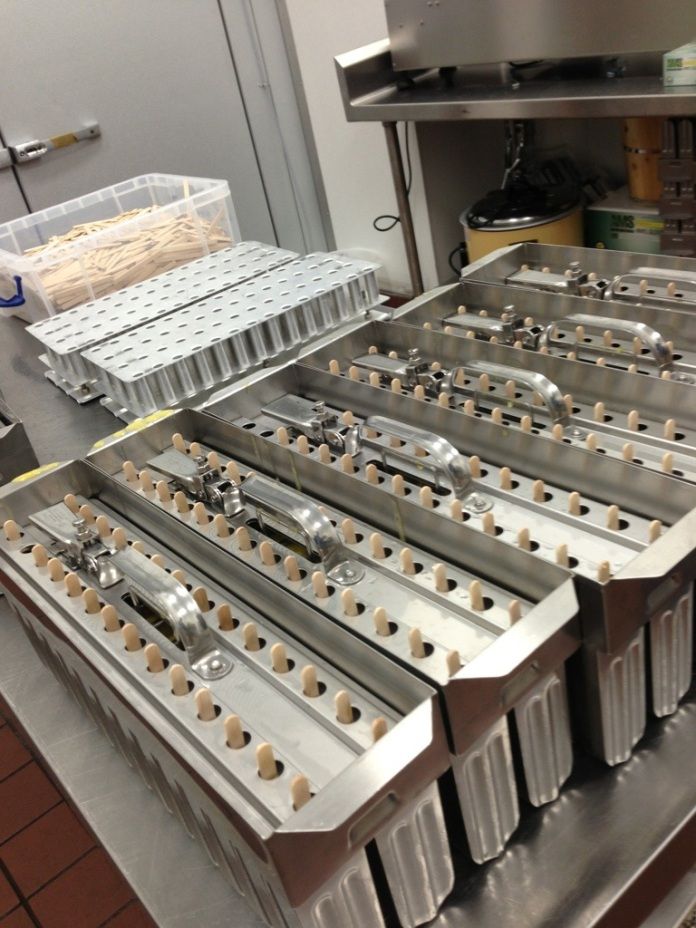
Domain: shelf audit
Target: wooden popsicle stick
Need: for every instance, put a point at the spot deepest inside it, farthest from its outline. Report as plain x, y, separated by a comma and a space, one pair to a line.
279, 658
348, 603
90, 600
454, 663
415, 643
163, 494
220, 526
109, 618
266, 763
119, 538
70, 500
153, 658
488, 523
131, 637
178, 680
476, 596
321, 591
250, 637
225, 620
181, 503
205, 705
381, 622
310, 684
344, 709
234, 733
440, 578
73, 587
378, 728
39, 555
242, 537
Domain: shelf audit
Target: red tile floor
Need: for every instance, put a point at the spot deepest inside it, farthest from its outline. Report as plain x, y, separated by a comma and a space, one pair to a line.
53, 873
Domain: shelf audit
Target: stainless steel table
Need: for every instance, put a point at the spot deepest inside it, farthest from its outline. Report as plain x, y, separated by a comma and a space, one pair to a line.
57, 426
602, 856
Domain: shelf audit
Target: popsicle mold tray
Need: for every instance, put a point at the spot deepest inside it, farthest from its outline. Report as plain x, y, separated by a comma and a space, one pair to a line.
283, 766
181, 347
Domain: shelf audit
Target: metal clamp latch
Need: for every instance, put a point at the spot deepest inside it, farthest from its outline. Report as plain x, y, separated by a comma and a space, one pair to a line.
411, 371
320, 424
83, 549
198, 479
507, 328
573, 281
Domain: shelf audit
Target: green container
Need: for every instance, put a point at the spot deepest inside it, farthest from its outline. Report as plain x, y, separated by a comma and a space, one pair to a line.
623, 224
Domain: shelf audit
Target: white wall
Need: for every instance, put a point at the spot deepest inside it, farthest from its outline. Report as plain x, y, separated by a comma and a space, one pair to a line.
353, 156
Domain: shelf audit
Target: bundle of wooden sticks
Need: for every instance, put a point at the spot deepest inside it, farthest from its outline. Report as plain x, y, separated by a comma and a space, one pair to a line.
128, 258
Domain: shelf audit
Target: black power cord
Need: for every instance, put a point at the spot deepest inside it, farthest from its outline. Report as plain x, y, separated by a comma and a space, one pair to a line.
393, 220
463, 257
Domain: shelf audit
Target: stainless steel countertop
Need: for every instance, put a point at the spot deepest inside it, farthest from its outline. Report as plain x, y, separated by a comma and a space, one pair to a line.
614, 839
58, 428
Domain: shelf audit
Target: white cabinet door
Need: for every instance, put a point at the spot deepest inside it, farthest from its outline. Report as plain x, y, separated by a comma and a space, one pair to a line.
11, 202
158, 77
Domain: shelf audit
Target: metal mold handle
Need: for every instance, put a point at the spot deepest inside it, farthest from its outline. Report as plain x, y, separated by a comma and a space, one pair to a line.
649, 337
162, 593
168, 598
445, 459
547, 389
293, 511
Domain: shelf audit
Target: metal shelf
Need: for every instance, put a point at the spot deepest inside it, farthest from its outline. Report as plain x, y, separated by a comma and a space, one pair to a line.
372, 90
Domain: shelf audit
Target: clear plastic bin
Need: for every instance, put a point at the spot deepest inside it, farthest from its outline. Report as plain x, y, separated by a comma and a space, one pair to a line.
186, 218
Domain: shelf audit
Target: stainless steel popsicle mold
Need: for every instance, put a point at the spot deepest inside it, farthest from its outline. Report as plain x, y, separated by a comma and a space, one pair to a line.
654, 280
629, 535
633, 337
648, 422
493, 651
212, 340
67, 335
310, 766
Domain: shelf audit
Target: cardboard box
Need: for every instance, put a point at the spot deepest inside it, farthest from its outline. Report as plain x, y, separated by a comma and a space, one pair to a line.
623, 224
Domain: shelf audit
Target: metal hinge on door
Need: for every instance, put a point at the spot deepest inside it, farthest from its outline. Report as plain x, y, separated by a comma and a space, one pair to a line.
37, 148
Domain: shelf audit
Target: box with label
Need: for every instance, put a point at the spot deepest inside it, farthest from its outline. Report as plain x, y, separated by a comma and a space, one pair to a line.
679, 66
620, 223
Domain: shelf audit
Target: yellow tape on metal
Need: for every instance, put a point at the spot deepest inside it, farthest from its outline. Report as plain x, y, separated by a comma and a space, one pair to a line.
37, 472
135, 426
61, 141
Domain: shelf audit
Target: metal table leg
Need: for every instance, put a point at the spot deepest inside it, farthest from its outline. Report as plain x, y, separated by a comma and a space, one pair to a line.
404, 207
